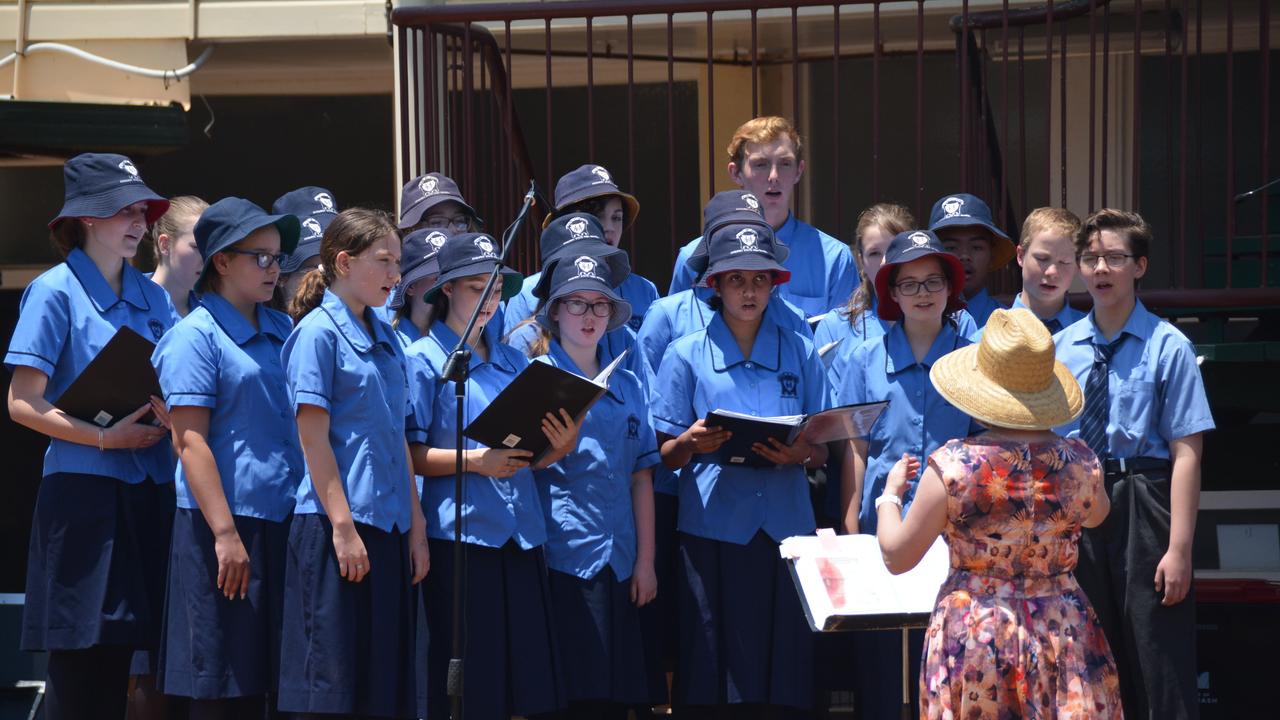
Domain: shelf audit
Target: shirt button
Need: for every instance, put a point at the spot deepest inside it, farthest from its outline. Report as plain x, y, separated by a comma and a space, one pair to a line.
749, 366
759, 494
915, 420
919, 393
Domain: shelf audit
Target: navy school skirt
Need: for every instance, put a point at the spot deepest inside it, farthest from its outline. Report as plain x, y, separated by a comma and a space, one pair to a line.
510, 656
96, 563
605, 655
347, 647
660, 617
214, 647
743, 634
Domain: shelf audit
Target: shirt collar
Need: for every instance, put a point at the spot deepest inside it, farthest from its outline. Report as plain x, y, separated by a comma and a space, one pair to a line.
1063, 316
784, 233
898, 356
1141, 324
498, 351
96, 287
353, 330
237, 327
766, 351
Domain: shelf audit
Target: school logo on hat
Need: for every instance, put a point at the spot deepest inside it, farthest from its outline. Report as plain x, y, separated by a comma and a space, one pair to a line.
633, 427
436, 239
577, 228
602, 174
326, 203
313, 228
486, 246
748, 241
132, 171
429, 185
789, 383
952, 207
751, 201
586, 267
918, 239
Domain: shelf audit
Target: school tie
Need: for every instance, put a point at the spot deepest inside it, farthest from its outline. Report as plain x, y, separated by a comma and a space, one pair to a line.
1097, 400
1053, 324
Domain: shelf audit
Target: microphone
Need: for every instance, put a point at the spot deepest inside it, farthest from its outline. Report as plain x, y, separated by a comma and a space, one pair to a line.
1246, 195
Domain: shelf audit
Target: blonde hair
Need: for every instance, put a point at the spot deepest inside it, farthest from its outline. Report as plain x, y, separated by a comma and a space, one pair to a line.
181, 208
762, 130
891, 219
1048, 219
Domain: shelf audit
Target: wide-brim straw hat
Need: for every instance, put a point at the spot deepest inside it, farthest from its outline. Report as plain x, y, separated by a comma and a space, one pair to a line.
1010, 379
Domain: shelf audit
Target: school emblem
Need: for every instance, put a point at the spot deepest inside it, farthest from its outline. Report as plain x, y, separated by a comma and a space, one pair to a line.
602, 174
918, 239
952, 207
486, 245
436, 240
429, 185
313, 227
326, 203
789, 382
156, 327
633, 427
130, 170
748, 240
751, 201
586, 267
577, 227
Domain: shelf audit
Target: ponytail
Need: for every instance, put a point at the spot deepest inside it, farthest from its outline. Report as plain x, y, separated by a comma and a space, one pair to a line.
352, 232
310, 292
891, 219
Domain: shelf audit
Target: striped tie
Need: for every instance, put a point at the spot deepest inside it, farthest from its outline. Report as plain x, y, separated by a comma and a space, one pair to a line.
1053, 324
1097, 399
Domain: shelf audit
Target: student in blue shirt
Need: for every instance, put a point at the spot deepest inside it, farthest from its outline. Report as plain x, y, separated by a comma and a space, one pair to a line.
510, 641
233, 428
99, 542
1047, 256
315, 208
590, 190
177, 259
919, 286
765, 159
744, 644
357, 541
434, 202
598, 504
410, 312
1145, 415
964, 224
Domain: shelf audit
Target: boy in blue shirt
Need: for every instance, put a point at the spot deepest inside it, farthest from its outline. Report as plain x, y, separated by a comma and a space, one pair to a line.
964, 224
1145, 415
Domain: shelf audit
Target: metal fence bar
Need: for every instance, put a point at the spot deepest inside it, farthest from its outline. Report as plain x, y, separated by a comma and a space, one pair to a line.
591, 106
1062, 110
755, 71
1093, 79
875, 105
1170, 189
1264, 50
468, 126
1182, 153
835, 107
1005, 149
631, 128
551, 168
1135, 200
919, 206
962, 41
671, 133
1048, 116
1231, 159
795, 67
711, 110
1022, 116
1106, 101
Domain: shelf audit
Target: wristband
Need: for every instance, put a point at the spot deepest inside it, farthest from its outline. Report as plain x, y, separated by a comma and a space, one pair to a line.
887, 499
100, 448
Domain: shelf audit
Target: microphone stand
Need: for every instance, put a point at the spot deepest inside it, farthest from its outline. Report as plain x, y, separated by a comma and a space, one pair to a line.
457, 368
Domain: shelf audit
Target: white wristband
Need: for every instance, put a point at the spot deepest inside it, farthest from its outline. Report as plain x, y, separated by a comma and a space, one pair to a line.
889, 500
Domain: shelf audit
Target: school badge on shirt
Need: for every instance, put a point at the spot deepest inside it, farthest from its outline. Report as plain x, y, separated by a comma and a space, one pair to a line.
789, 383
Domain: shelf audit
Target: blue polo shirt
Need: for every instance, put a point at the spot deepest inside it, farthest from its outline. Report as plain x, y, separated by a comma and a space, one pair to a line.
495, 510
705, 370
586, 495
1061, 320
1157, 393
333, 363
917, 421
635, 289
215, 359
406, 332
981, 305
823, 273
66, 316
835, 326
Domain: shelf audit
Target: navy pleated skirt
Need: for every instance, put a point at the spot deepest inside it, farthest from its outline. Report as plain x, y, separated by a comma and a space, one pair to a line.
214, 647
604, 653
510, 664
743, 633
347, 647
96, 563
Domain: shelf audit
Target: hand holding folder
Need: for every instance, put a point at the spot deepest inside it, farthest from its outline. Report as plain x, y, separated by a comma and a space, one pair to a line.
842, 423
116, 383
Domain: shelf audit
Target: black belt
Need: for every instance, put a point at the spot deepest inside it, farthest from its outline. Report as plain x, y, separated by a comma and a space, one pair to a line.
1138, 465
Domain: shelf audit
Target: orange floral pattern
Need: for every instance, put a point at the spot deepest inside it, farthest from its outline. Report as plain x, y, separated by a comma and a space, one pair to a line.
1013, 636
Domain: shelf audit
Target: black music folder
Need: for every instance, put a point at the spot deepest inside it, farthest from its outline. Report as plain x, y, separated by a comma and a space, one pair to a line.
119, 380
841, 423
514, 418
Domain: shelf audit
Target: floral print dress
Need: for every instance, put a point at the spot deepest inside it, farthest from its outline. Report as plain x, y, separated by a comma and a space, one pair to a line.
1013, 635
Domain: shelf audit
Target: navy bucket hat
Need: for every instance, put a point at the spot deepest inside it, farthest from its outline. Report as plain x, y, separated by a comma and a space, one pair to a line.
750, 247
419, 259
99, 185
582, 273
580, 234
470, 254
233, 219
965, 210
908, 247
586, 182
315, 208
423, 193
730, 206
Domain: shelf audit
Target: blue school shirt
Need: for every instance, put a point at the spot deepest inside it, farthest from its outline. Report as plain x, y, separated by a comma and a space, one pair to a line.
333, 363
635, 289
1157, 393
495, 509
836, 327
704, 371
193, 300
66, 316
981, 305
823, 273
1060, 321
406, 332
586, 495
917, 421
215, 359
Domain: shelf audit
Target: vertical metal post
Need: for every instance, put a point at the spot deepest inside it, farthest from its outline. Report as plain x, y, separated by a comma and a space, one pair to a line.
1182, 154
1231, 147
1006, 149
835, 110
1135, 202
551, 168
671, 134
1106, 102
591, 107
631, 130
755, 71
711, 109
875, 107
468, 125
1062, 110
919, 206
963, 40
1022, 117
1093, 79
1048, 116
1264, 50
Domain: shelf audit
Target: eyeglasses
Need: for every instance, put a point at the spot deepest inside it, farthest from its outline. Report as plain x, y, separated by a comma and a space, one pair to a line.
461, 223
264, 259
600, 308
912, 287
1114, 260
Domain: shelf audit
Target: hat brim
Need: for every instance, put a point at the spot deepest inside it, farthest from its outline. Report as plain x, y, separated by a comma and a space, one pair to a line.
413, 215
750, 262
1002, 248
628, 200
288, 226
621, 308
424, 269
887, 309
512, 281
958, 380
107, 203
304, 251
617, 260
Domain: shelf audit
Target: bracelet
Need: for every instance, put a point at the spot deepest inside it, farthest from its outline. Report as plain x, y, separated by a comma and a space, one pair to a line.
100, 448
887, 499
